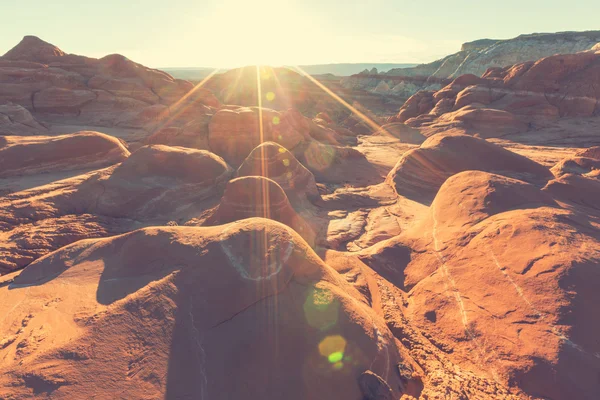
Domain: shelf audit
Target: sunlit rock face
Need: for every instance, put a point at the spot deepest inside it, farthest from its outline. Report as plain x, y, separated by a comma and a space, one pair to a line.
155, 185
532, 267
273, 161
306, 332
245, 238
510, 100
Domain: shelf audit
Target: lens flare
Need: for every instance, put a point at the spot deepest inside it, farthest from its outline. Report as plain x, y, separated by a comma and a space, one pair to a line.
333, 348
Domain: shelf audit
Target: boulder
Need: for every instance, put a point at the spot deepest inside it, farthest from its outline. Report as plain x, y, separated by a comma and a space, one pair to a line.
273, 161
420, 172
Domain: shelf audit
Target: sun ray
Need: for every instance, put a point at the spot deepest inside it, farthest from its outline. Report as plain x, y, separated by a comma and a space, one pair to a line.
179, 107
372, 124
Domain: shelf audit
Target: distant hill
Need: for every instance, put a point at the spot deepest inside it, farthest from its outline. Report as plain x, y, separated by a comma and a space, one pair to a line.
349, 69
199, 73
191, 73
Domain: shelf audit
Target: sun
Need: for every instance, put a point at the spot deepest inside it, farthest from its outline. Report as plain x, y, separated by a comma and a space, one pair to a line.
260, 32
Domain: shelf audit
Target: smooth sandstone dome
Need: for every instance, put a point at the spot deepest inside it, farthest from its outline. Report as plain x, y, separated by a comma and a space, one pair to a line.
273, 161
158, 180
257, 196
506, 278
22, 155
155, 185
420, 172
179, 312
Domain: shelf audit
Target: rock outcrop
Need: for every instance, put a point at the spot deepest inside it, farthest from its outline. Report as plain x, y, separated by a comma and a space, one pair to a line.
235, 132
257, 196
527, 258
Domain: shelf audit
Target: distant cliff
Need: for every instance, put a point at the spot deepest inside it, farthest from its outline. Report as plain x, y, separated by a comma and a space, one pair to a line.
474, 58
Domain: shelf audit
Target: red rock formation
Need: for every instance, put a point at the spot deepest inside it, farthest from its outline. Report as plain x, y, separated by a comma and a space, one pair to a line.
531, 267
17, 120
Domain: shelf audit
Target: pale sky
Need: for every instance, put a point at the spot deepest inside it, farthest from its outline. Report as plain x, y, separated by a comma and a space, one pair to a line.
230, 33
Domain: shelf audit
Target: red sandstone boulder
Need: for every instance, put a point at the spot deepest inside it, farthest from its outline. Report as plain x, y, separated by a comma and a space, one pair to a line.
419, 103
24, 155
257, 196
273, 161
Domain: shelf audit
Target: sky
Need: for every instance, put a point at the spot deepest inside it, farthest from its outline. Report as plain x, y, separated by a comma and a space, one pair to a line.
231, 33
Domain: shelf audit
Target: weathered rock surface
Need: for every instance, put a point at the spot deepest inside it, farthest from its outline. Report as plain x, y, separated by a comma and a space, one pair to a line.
273, 161
325, 331
258, 196
107, 92
16, 120
420, 172
511, 99
419, 260
532, 266
25, 155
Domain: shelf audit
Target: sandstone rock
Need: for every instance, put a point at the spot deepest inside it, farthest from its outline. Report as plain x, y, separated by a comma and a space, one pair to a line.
275, 162
420, 172
26, 155
16, 120
257, 196
591, 152
111, 91
522, 254
58, 100
419, 103
122, 88
486, 122
576, 165
248, 268
477, 57
155, 181
404, 133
